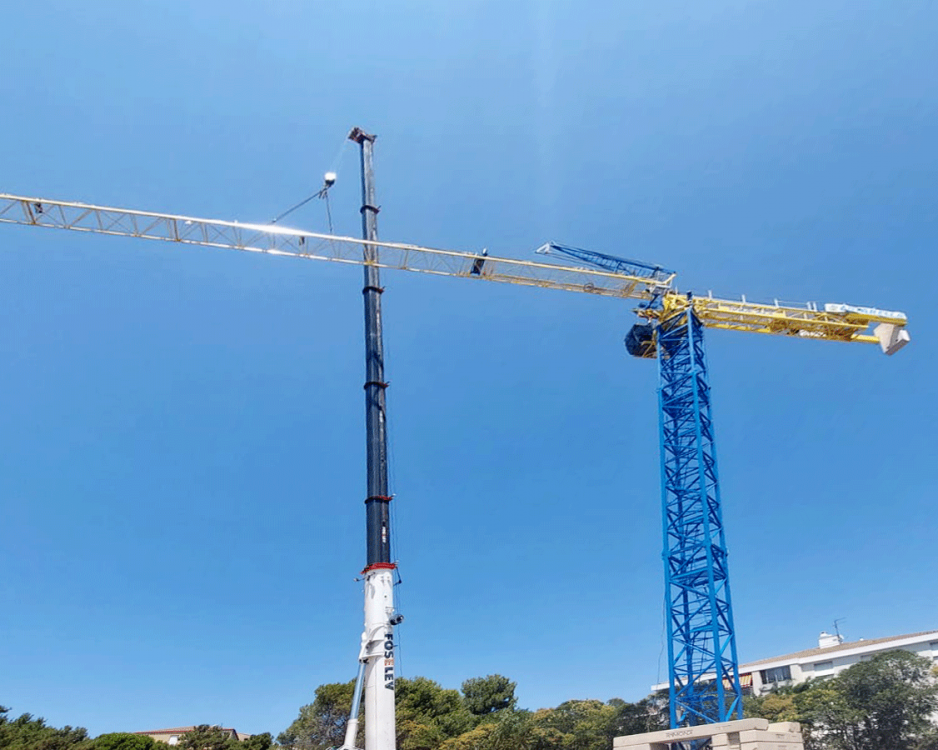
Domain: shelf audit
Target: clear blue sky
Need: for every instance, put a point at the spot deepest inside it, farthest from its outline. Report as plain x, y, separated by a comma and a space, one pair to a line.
181, 442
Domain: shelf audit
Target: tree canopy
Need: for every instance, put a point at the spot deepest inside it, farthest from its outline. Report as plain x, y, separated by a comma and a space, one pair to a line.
28, 733
885, 703
125, 741
482, 716
487, 695
206, 737
321, 724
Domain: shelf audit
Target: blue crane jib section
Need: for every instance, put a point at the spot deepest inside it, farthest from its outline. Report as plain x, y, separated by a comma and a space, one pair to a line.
612, 263
704, 680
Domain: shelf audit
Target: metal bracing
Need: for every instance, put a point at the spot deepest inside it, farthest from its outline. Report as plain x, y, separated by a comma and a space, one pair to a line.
704, 684
277, 240
806, 321
651, 286
610, 262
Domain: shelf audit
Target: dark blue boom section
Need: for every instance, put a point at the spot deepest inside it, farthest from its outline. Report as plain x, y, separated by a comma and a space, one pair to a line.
610, 262
704, 680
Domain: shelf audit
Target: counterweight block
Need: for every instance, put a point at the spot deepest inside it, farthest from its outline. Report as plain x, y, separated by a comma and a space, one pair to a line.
640, 341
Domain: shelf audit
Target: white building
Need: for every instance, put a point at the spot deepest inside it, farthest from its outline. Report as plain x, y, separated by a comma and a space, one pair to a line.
831, 656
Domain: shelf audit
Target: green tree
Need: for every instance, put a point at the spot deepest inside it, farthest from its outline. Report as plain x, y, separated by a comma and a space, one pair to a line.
206, 737
508, 730
516, 730
778, 705
474, 739
414, 735
487, 695
124, 741
263, 741
928, 741
322, 723
881, 704
428, 714
888, 701
577, 725
27, 733
637, 718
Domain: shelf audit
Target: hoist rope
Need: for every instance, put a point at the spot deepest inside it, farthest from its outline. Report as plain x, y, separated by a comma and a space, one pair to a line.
325, 197
298, 205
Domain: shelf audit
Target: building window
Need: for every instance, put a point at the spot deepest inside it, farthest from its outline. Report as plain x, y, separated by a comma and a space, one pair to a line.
934, 650
776, 674
821, 666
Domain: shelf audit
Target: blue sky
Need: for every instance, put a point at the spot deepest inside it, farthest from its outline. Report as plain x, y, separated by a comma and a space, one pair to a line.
182, 448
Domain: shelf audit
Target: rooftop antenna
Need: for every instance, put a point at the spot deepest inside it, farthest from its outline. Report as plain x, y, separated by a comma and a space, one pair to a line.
837, 628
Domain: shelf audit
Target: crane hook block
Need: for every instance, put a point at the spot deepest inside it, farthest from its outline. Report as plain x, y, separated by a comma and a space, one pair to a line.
640, 341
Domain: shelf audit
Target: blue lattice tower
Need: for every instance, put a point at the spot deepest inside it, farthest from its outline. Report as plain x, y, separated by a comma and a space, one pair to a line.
704, 684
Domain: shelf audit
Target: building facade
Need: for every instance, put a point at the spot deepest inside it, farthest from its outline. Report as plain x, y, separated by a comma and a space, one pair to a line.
831, 656
173, 735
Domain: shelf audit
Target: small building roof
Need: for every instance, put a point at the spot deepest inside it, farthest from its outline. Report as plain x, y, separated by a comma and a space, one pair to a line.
166, 731
807, 653
182, 730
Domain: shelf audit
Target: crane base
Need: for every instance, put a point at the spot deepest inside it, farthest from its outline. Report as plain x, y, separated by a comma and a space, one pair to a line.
744, 734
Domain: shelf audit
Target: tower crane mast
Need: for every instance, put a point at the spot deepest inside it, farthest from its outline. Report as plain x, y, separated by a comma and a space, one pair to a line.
703, 665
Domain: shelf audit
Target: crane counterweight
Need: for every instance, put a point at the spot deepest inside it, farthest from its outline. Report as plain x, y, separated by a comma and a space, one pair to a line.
892, 337
640, 341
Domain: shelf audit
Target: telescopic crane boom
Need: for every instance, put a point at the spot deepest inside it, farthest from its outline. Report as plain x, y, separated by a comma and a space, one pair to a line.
703, 665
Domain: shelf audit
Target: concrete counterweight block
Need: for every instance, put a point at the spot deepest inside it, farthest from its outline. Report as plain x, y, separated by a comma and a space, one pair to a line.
756, 740
744, 734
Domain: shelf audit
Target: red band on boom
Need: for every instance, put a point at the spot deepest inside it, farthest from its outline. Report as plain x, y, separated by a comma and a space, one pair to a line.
380, 566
